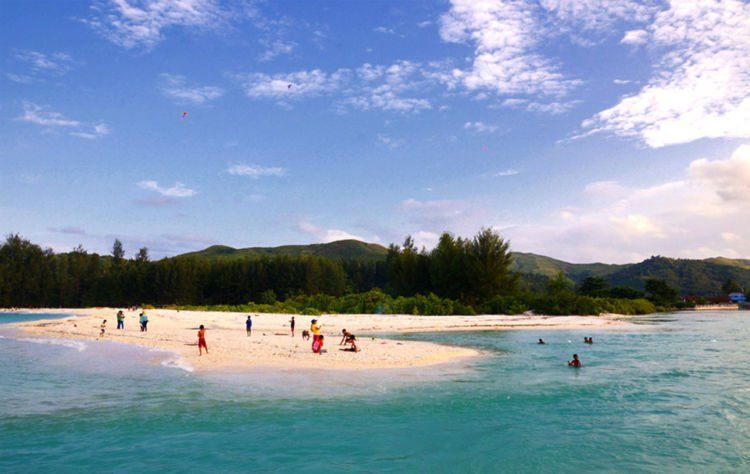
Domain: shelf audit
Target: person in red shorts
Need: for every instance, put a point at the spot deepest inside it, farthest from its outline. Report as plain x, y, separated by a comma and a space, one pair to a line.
202, 340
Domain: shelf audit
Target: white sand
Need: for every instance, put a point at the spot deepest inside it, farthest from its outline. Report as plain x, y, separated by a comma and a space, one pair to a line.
271, 344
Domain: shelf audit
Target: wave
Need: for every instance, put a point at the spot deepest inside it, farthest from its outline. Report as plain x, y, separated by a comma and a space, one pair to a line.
77, 345
177, 363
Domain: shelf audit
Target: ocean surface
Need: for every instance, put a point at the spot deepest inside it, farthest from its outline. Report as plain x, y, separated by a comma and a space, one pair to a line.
669, 395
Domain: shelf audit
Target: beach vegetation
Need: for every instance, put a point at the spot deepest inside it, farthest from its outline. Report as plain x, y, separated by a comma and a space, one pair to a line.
459, 276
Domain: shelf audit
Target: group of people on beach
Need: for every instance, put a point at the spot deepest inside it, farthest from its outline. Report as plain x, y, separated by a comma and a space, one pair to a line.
142, 319
575, 361
347, 338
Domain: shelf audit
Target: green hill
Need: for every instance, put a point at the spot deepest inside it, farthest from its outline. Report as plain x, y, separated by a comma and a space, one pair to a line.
699, 277
339, 250
534, 264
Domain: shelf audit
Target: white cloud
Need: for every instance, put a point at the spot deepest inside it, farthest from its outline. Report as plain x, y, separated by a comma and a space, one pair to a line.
701, 86
177, 88
504, 173
254, 171
599, 14
141, 23
480, 127
424, 24
425, 239
326, 235
385, 30
621, 82
391, 143
45, 117
276, 48
54, 63
506, 36
608, 189
19, 78
179, 190
702, 213
291, 86
635, 37
383, 87
36, 114
730, 178
93, 132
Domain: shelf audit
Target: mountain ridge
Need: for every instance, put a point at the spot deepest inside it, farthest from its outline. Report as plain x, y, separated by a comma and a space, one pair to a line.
690, 276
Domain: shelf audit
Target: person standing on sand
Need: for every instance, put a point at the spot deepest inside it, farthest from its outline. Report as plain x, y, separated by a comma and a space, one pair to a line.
315, 330
291, 325
120, 320
144, 322
202, 341
249, 326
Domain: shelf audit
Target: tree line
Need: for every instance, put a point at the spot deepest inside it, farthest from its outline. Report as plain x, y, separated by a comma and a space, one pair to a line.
461, 274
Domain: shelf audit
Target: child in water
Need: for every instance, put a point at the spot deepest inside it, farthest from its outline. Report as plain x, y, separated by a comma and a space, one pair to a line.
202, 340
576, 362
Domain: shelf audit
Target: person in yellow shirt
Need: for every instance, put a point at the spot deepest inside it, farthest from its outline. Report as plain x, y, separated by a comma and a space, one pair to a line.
315, 330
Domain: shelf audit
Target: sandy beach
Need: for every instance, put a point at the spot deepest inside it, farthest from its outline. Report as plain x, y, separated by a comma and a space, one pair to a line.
271, 344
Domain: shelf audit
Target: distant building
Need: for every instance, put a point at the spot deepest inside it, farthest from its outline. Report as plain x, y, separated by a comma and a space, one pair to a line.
737, 297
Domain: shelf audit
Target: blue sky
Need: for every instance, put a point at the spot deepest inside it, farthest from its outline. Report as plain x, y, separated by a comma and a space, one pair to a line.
585, 130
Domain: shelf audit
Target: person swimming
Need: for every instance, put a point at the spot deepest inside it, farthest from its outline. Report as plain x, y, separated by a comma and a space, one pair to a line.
541, 341
588, 340
576, 362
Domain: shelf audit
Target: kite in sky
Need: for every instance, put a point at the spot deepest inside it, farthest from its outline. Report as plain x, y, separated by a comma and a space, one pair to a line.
184, 114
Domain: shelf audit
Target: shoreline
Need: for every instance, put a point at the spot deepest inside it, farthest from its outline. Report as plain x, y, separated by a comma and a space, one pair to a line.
271, 345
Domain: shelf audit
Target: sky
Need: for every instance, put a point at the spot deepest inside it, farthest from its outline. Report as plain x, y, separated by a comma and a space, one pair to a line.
586, 130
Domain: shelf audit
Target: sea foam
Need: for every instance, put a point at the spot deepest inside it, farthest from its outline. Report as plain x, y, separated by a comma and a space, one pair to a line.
77, 345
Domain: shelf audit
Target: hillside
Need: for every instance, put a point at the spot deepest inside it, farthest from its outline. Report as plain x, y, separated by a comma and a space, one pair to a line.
700, 277
339, 250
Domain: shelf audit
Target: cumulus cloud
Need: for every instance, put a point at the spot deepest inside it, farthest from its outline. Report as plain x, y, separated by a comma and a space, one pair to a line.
50, 119
326, 235
254, 171
701, 85
702, 213
177, 88
505, 173
179, 190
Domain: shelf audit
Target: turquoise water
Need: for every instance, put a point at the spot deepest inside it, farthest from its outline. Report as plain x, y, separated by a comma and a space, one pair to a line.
670, 395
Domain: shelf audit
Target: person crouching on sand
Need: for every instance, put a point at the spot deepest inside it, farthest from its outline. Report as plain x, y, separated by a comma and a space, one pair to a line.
103, 328
576, 362
202, 340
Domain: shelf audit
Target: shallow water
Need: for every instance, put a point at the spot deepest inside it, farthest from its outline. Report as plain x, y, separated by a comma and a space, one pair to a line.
669, 395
